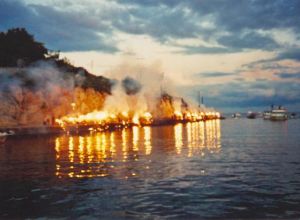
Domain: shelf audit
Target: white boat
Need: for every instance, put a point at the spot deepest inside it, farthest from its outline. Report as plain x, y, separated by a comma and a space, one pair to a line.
236, 115
267, 115
279, 114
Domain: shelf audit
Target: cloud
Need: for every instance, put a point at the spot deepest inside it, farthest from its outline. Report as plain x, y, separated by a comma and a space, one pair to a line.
219, 27
241, 21
272, 63
272, 66
291, 54
206, 50
250, 40
212, 74
251, 15
289, 75
92, 25
234, 43
167, 22
246, 95
60, 30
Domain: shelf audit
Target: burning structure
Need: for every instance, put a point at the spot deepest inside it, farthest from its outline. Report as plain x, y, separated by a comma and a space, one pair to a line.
135, 99
45, 95
50, 92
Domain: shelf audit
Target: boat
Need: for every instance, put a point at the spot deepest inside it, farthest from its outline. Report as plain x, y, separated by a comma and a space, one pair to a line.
236, 115
278, 114
267, 115
222, 117
251, 115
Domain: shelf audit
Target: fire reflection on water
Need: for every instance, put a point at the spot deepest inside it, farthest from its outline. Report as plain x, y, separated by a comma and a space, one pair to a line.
102, 154
147, 138
124, 145
178, 138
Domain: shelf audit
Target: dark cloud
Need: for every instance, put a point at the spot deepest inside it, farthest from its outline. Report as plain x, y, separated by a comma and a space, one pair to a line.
233, 44
291, 54
253, 14
162, 23
93, 29
60, 30
235, 18
270, 64
250, 40
14, 13
206, 50
150, 3
273, 66
242, 15
212, 74
247, 94
76, 31
289, 75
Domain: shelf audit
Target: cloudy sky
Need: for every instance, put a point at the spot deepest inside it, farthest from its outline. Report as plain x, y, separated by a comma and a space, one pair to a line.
241, 54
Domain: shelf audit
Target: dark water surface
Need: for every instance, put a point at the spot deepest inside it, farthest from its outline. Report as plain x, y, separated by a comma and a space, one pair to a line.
218, 169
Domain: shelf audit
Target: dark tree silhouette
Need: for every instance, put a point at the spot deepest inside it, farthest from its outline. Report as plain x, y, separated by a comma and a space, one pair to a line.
18, 47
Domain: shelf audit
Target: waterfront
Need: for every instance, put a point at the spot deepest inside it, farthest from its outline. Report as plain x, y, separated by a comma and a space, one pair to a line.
215, 169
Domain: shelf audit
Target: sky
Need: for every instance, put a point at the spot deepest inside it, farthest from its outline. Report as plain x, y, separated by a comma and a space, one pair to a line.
240, 54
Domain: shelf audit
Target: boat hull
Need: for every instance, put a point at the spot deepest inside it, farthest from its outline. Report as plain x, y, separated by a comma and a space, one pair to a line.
283, 118
278, 115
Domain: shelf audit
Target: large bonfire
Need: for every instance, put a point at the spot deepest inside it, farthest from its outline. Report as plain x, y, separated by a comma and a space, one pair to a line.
51, 92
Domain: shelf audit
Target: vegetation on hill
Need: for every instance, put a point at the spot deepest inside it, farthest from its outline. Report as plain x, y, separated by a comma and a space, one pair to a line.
36, 86
19, 49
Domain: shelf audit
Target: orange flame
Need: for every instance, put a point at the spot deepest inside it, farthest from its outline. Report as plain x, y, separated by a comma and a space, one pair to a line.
106, 119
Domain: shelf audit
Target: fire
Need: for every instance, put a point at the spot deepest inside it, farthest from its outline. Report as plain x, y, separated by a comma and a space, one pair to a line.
146, 119
123, 119
178, 115
104, 118
135, 115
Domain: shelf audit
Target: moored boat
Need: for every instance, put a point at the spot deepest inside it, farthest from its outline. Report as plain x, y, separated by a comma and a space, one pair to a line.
251, 115
267, 115
279, 114
236, 115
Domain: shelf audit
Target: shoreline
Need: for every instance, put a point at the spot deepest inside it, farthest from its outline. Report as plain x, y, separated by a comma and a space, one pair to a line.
82, 129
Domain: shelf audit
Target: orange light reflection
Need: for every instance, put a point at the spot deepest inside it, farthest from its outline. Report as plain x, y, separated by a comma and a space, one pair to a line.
92, 155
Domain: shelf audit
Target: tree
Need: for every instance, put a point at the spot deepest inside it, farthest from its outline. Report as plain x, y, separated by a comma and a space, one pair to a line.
17, 46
